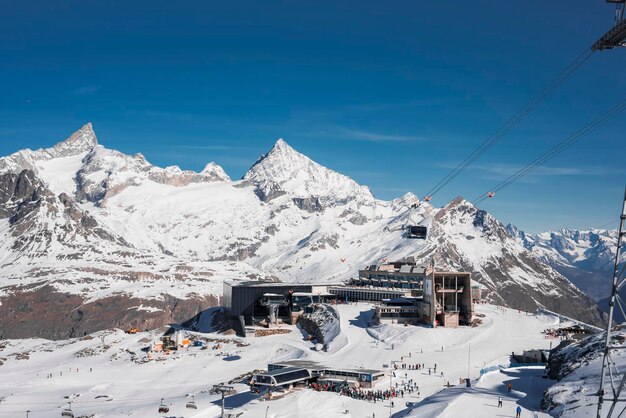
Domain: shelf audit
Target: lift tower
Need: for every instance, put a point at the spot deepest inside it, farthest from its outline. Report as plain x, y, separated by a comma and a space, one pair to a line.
617, 378
616, 36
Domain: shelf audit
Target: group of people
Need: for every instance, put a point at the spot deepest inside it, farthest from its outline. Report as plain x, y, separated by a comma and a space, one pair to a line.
417, 366
408, 386
359, 394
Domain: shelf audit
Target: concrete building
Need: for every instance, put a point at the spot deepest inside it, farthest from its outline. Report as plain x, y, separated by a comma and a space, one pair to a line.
369, 293
287, 373
251, 302
436, 298
452, 296
402, 274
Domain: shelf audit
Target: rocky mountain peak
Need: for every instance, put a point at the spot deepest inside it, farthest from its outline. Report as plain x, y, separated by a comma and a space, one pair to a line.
282, 145
297, 174
215, 171
80, 141
407, 200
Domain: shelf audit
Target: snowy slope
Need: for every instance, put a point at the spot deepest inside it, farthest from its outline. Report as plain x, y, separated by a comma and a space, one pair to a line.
107, 373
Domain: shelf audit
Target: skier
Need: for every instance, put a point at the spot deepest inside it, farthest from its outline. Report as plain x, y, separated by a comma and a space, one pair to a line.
509, 386
499, 401
518, 412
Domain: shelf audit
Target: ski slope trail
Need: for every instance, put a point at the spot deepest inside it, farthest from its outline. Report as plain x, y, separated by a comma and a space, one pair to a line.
482, 399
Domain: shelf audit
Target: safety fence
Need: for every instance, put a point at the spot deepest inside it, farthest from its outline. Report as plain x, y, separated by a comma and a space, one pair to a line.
509, 366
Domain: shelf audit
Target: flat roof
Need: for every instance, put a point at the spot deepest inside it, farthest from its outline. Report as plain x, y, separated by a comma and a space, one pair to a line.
278, 372
363, 371
307, 364
452, 273
312, 365
375, 289
407, 299
312, 294
260, 283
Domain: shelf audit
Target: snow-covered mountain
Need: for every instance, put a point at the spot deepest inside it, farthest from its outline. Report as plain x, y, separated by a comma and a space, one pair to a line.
585, 257
121, 240
284, 169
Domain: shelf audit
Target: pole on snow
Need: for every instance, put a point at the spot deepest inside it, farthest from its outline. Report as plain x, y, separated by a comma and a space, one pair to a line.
607, 360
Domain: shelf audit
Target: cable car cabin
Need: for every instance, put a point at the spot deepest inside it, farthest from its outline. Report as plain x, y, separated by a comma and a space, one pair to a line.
416, 232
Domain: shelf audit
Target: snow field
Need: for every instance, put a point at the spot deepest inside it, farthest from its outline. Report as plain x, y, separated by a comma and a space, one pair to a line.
137, 388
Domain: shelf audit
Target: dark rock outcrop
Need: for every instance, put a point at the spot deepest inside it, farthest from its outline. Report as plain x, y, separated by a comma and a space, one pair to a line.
48, 313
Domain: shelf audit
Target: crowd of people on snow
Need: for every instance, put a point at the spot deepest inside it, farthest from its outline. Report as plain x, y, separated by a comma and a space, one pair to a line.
357, 393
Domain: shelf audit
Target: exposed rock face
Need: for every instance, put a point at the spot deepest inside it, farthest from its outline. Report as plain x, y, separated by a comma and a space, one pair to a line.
268, 190
322, 323
37, 217
309, 204
50, 314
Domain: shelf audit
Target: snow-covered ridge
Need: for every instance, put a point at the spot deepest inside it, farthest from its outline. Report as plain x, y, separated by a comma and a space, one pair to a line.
106, 172
80, 166
80, 142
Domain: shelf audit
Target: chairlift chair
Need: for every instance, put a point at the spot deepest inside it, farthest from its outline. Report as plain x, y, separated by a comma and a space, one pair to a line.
163, 409
191, 404
67, 412
491, 194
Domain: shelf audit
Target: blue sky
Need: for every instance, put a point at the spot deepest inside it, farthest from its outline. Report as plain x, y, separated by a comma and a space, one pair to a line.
392, 94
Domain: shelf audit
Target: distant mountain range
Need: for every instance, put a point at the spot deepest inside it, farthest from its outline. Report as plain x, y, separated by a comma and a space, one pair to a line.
93, 238
585, 257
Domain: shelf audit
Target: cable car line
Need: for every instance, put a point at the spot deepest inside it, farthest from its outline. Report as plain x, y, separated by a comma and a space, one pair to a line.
512, 122
555, 150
